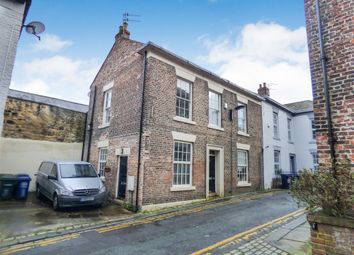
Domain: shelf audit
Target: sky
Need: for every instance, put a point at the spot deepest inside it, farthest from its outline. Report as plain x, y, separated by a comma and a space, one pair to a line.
247, 42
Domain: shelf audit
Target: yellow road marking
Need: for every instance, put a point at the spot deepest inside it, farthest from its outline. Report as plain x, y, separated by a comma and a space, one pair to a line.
247, 232
45, 242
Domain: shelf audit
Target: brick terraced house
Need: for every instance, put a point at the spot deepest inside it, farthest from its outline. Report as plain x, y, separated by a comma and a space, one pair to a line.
163, 130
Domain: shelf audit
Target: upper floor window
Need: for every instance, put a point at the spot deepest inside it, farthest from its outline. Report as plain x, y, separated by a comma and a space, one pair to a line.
242, 165
242, 118
313, 129
277, 169
182, 163
214, 109
107, 106
184, 99
102, 160
289, 129
276, 125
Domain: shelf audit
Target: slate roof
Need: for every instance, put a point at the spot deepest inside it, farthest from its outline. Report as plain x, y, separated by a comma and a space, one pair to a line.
77, 107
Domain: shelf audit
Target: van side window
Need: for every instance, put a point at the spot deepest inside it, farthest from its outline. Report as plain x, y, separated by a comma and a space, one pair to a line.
42, 167
54, 171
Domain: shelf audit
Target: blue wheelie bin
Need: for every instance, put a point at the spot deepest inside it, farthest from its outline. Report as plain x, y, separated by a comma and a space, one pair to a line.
287, 179
22, 186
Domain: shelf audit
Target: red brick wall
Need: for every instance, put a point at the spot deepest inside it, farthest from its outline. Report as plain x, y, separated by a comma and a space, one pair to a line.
338, 33
159, 124
125, 67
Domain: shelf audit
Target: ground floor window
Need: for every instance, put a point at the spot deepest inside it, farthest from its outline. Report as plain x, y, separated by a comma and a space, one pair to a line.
315, 160
242, 166
277, 169
182, 163
102, 160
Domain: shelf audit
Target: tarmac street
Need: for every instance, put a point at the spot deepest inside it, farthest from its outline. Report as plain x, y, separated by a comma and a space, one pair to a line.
232, 228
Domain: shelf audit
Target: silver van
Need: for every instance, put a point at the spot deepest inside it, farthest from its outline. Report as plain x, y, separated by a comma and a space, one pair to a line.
69, 184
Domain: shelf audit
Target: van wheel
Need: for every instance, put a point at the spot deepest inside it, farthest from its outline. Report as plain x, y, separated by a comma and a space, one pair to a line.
38, 192
56, 205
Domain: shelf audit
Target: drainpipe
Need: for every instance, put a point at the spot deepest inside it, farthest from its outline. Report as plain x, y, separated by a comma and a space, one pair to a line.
331, 139
91, 125
231, 151
84, 139
141, 133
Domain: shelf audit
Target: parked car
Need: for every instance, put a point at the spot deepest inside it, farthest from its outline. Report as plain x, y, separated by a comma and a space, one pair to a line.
69, 184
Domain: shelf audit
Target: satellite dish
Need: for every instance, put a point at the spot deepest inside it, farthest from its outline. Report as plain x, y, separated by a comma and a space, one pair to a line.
35, 28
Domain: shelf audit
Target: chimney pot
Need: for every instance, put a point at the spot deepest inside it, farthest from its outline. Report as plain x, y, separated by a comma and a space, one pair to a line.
263, 90
123, 31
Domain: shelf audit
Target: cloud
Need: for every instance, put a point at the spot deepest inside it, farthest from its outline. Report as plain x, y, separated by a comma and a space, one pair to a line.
263, 52
57, 76
50, 42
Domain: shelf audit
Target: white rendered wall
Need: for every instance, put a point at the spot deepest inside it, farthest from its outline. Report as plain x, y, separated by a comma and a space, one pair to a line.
24, 156
11, 15
305, 144
270, 144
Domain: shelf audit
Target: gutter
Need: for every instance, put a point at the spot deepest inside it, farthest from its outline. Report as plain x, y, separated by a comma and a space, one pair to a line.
204, 72
331, 138
141, 133
28, 5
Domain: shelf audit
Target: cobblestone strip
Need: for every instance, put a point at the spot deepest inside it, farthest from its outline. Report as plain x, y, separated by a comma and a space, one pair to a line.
257, 247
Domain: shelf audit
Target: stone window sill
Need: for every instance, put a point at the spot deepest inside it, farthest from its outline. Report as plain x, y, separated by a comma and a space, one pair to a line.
276, 138
103, 126
215, 127
184, 120
244, 184
243, 133
182, 188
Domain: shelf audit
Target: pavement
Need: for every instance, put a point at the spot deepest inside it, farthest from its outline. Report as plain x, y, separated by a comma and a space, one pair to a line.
254, 223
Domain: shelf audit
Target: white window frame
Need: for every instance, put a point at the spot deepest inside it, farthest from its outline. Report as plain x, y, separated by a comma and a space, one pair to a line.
176, 186
102, 160
107, 103
315, 160
313, 129
190, 109
275, 125
289, 124
277, 163
218, 125
246, 165
243, 109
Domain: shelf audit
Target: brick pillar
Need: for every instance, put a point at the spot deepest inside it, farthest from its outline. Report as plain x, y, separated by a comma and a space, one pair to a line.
338, 33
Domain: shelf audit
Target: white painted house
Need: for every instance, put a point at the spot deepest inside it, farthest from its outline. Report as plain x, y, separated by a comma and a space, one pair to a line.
289, 143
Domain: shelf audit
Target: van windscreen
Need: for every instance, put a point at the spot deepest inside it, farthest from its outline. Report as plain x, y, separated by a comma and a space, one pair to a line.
77, 171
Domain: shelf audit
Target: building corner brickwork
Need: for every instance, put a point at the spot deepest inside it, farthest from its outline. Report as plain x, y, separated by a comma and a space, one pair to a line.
338, 33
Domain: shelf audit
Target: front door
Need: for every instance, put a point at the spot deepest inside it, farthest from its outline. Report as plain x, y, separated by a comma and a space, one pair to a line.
212, 172
292, 164
122, 180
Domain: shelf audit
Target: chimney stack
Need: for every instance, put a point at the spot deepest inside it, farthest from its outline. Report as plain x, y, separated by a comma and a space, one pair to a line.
263, 90
123, 31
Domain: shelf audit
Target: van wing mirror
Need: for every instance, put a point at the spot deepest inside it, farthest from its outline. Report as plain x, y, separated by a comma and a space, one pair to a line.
51, 177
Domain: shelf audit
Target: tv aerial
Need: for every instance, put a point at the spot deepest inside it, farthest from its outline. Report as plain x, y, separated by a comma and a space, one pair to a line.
126, 18
35, 28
